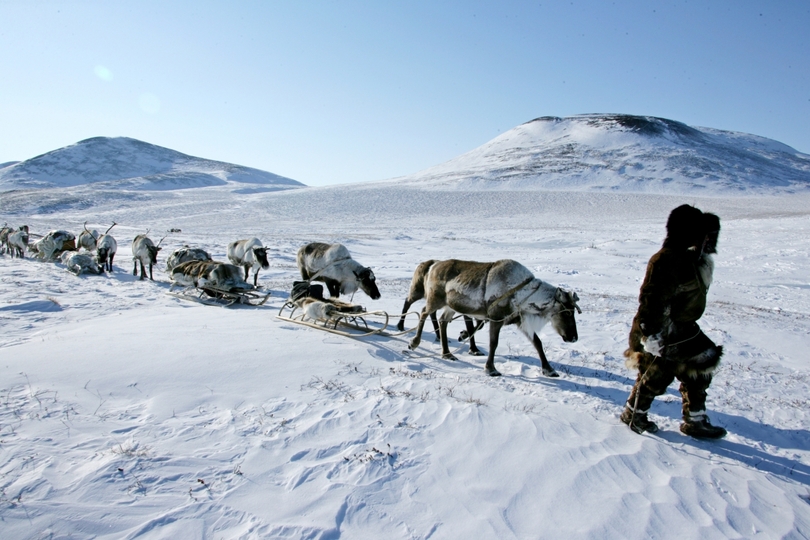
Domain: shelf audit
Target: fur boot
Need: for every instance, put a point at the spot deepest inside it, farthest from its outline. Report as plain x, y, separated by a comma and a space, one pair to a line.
696, 424
637, 420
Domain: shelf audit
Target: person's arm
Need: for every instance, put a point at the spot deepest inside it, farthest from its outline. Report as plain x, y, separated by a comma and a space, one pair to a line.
656, 293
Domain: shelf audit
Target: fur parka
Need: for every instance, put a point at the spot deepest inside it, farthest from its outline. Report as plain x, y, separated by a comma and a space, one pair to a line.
673, 294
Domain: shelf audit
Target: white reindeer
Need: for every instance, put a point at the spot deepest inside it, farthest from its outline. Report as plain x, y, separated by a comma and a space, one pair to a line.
249, 253
332, 264
77, 263
51, 246
87, 239
502, 292
106, 248
144, 251
18, 242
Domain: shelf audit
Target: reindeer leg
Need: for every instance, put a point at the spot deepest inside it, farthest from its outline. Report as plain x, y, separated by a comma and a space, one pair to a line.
247, 271
494, 333
471, 330
333, 287
109, 262
255, 279
435, 325
405, 306
150, 272
135, 267
418, 337
447, 316
548, 371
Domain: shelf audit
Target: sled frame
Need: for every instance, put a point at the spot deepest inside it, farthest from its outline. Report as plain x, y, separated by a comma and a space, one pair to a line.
212, 296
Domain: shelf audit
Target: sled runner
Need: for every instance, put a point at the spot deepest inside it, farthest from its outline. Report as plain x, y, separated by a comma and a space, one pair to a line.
211, 296
307, 306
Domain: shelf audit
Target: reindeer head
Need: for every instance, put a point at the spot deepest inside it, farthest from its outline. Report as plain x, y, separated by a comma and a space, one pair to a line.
260, 254
565, 304
367, 281
102, 254
153, 250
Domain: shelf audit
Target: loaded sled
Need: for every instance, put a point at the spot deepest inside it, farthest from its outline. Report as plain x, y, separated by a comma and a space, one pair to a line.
307, 306
214, 283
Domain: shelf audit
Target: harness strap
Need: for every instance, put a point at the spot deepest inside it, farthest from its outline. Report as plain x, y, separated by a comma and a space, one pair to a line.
316, 274
507, 293
683, 340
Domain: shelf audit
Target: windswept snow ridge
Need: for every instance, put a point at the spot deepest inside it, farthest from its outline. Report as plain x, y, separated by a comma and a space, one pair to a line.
609, 152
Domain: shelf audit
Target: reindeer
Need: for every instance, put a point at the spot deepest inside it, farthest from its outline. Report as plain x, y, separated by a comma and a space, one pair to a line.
417, 292
502, 292
51, 246
249, 253
332, 264
185, 254
76, 263
4, 232
17, 242
144, 251
106, 248
212, 277
87, 239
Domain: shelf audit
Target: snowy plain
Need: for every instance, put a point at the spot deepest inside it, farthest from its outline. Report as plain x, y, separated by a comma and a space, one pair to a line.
129, 413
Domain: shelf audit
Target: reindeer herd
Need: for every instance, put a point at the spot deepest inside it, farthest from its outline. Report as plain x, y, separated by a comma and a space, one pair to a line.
499, 293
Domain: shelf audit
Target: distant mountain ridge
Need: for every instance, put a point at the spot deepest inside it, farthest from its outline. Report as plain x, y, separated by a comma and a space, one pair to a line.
617, 152
125, 163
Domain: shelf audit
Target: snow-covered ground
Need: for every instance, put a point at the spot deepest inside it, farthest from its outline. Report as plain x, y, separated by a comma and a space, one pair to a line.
128, 413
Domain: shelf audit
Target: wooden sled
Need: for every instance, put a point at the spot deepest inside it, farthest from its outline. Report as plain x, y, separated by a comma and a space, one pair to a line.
356, 324
212, 296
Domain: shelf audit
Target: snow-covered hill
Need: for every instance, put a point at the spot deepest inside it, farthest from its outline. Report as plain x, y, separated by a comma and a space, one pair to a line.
124, 163
623, 153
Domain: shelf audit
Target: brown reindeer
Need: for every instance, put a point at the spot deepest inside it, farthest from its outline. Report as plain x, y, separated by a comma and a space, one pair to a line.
502, 292
417, 292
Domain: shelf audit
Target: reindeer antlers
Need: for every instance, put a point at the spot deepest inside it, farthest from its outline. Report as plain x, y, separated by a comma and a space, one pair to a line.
111, 226
85, 227
161, 240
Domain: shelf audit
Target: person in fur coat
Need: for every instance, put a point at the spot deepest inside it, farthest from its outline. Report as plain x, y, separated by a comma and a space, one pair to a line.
665, 340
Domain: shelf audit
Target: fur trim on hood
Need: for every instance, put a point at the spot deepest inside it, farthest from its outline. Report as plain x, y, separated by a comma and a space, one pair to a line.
711, 224
685, 228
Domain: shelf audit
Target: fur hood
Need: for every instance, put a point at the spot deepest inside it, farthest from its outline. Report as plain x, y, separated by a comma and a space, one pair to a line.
687, 227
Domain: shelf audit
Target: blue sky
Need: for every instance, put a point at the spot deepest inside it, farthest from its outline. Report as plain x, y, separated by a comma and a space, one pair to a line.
338, 92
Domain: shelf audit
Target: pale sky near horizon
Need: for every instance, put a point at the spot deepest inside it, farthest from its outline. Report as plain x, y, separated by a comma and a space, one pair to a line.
337, 92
